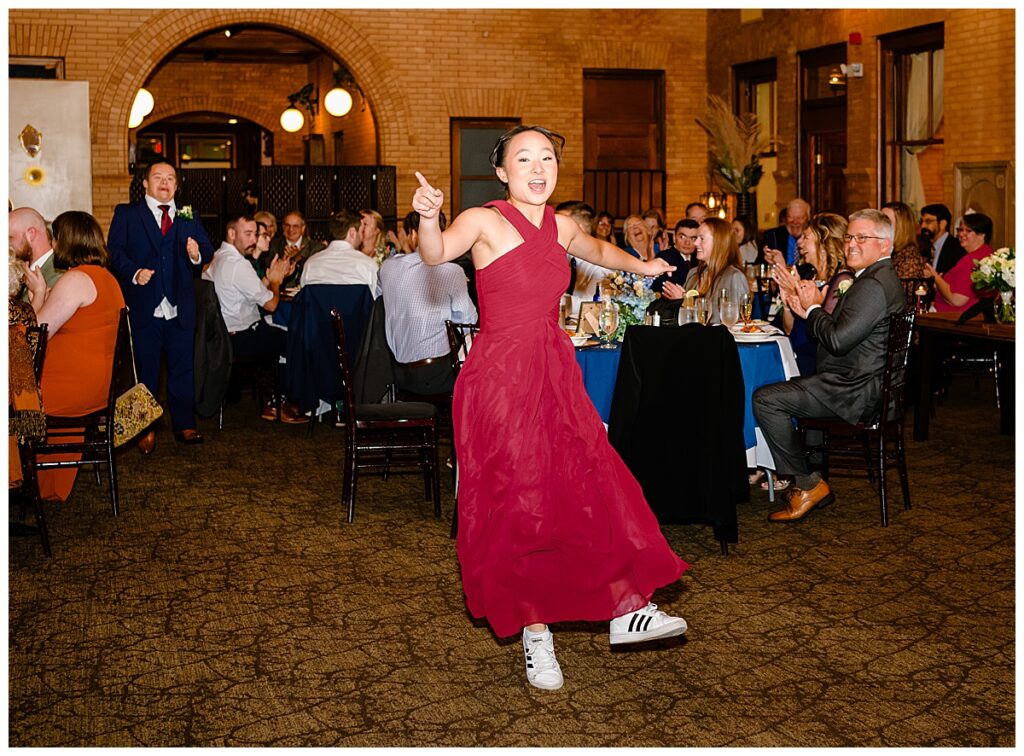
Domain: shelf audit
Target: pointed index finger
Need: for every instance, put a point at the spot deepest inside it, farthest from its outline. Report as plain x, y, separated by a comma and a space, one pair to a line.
423, 181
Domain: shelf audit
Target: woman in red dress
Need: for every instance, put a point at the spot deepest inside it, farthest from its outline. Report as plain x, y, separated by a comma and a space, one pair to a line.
552, 525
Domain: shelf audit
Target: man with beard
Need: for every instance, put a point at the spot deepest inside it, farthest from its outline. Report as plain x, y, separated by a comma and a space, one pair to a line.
242, 293
942, 249
30, 242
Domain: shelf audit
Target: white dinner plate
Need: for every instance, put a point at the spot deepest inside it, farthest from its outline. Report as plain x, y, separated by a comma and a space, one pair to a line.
767, 333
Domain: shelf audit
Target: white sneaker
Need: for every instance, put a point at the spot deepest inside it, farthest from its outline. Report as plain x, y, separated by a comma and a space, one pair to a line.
643, 625
542, 670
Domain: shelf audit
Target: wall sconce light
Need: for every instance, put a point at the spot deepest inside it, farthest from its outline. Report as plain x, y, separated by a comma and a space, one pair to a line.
715, 202
142, 106
292, 119
837, 78
338, 102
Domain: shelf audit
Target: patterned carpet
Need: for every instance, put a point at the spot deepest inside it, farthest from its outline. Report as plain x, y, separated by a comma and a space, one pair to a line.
230, 605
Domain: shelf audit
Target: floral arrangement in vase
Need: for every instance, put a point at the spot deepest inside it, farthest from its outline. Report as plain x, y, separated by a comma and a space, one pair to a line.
632, 293
997, 273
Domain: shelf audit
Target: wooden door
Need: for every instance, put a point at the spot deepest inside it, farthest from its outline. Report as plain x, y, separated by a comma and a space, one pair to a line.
826, 161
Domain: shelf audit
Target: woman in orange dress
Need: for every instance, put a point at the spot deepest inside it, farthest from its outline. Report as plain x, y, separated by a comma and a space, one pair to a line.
82, 311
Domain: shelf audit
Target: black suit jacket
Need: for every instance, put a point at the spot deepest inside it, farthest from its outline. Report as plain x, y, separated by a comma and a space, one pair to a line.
852, 343
949, 255
135, 242
774, 238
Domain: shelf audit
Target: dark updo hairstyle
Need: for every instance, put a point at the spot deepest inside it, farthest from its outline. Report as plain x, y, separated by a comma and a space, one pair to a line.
78, 240
498, 153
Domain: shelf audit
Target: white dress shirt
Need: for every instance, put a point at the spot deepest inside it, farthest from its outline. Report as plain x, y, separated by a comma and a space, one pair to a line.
418, 298
588, 277
937, 247
239, 289
165, 309
42, 260
340, 263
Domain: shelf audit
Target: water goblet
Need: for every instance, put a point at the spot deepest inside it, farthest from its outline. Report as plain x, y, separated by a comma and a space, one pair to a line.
730, 313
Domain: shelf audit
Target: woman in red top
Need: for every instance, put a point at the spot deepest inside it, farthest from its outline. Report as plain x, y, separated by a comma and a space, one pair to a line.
954, 292
552, 525
82, 311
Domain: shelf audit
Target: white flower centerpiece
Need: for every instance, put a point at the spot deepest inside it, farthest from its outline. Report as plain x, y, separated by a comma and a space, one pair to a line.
997, 273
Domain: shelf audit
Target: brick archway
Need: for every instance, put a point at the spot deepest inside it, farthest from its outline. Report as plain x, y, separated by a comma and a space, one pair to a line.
144, 50
165, 108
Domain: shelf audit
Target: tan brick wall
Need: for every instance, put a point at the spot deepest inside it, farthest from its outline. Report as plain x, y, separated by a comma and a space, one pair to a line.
418, 69
978, 90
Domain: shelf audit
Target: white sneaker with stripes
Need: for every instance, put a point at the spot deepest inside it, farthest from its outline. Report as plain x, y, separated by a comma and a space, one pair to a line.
643, 625
542, 670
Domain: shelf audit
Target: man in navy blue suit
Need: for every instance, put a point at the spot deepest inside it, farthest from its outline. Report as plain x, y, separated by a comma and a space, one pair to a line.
156, 250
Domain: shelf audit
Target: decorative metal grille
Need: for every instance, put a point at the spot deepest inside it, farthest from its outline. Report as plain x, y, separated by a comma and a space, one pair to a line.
315, 191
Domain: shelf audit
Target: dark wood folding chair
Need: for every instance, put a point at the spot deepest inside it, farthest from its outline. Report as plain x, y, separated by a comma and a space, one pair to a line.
381, 437
97, 446
460, 339
872, 446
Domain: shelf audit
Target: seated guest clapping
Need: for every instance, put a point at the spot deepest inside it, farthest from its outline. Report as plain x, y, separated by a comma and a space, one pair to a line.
954, 291
719, 267
851, 358
82, 311
418, 298
822, 251
242, 293
342, 262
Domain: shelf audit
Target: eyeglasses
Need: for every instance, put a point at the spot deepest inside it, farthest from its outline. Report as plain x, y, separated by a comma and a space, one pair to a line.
860, 238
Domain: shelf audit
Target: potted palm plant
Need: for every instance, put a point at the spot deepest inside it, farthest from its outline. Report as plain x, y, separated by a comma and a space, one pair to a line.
736, 143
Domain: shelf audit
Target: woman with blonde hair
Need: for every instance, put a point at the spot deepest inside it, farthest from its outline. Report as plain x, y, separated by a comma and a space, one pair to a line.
637, 238
375, 238
719, 266
906, 255
821, 246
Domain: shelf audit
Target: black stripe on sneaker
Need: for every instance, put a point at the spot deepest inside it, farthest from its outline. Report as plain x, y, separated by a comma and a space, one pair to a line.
632, 622
647, 623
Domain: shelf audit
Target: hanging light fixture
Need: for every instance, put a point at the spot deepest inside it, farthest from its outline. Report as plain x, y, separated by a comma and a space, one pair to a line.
292, 119
142, 106
338, 102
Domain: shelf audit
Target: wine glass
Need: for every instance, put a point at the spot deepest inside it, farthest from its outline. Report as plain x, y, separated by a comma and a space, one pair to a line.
746, 308
730, 313
609, 323
703, 310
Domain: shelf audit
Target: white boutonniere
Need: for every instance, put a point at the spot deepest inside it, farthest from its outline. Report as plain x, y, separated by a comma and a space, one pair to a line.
843, 286
184, 212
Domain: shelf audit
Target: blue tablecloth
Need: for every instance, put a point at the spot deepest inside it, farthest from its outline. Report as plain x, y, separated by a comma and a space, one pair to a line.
761, 364
599, 367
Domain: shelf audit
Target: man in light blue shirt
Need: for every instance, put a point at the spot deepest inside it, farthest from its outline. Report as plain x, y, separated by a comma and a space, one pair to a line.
418, 299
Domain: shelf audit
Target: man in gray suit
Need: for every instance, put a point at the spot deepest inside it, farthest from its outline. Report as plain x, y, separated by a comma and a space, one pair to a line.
30, 241
851, 359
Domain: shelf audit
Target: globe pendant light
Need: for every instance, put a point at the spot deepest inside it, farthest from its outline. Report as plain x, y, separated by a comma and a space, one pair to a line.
338, 102
142, 106
292, 120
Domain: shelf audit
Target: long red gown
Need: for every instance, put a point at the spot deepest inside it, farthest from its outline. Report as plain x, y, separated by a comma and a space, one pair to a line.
552, 525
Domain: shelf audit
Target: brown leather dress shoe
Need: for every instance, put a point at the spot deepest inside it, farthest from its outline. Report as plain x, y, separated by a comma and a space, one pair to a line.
147, 442
189, 436
291, 415
801, 502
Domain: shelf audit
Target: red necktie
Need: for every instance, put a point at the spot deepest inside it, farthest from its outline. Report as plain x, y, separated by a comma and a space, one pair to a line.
165, 221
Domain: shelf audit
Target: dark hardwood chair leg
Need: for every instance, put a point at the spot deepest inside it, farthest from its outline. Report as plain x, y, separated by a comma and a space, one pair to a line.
112, 471
901, 461
435, 474
348, 485
882, 486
